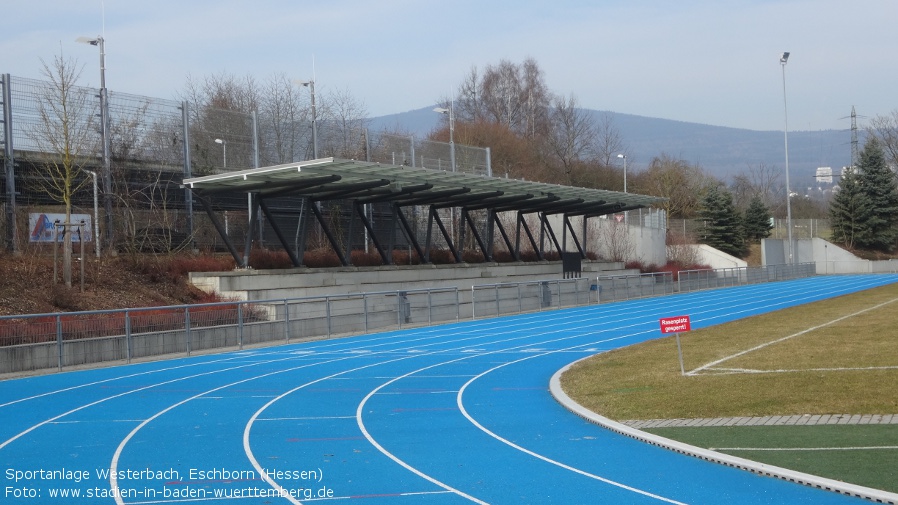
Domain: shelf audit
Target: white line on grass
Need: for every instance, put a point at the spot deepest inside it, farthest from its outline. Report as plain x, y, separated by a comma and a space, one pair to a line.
871, 448
730, 371
808, 330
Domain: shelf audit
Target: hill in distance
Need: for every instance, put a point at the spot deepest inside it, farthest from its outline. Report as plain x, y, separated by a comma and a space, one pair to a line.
721, 151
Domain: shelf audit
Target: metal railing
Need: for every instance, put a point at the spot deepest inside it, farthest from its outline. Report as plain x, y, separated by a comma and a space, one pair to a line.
494, 300
62, 340
612, 288
692, 280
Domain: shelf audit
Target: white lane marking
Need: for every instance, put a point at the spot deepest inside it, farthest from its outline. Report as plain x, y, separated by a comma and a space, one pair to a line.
385, 452
113, 467
464, 411
808, 330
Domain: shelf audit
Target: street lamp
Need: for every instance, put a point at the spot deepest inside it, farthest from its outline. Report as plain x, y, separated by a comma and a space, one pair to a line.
100, 42
624, 156
93, 176
783, 59
443, 110
224, 152
311, 85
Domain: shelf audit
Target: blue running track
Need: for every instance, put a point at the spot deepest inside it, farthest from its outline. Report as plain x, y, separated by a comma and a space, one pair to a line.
450, 414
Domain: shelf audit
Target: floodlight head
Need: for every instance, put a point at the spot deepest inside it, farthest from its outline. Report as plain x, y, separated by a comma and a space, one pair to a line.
88, 40
219, 141
621, 156
441, 110
784, 58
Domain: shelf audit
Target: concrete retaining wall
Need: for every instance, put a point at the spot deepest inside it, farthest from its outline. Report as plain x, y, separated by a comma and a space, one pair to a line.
308, 282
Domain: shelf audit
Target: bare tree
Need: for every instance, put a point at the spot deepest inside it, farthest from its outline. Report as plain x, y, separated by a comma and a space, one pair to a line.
283, 113
615, 240
885, 128
507, 93
572, 135
681, 183
345, 117
609, 142
66, 131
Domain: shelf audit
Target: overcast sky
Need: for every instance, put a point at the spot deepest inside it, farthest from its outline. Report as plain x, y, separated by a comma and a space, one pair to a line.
705, 61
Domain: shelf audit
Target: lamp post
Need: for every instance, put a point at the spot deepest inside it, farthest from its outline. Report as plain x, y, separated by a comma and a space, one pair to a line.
100, 42
443, 110
783, 59
96, 221
624, 157
224, 152
311, 85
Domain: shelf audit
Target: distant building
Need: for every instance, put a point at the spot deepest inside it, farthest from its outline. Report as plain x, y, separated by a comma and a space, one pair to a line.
824, 175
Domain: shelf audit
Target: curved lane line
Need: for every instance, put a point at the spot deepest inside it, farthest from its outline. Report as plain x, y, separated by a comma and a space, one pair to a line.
874, 495
461, 406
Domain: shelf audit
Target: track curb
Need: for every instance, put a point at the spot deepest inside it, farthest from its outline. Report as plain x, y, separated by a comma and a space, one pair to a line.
870, 494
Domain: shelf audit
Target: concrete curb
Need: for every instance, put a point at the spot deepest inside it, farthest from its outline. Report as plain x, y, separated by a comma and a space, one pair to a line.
874, 495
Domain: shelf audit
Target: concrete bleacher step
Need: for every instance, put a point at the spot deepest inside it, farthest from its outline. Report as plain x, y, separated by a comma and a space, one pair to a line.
305, 282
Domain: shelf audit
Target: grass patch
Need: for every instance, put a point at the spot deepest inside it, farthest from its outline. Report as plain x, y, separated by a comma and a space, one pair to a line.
867, 467
824, 371
825, 362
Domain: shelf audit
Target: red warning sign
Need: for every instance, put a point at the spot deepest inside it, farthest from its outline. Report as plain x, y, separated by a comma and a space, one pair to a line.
676, 324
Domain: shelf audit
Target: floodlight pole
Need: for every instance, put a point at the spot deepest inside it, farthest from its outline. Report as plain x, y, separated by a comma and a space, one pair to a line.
443, 110
224, 152
626, 213
783, 59
93, 176
624, 156
100, 42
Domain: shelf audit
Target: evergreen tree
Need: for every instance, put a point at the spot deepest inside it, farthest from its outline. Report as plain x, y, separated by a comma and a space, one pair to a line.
723, 225
844, 211
757, 220
879, 206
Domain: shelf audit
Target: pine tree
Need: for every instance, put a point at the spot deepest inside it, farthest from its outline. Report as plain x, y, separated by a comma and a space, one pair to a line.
844, 211
723, 225
757, 220
879, 206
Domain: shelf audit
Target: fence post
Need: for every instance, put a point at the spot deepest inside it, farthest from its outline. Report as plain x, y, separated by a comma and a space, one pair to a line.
240, 326
473, 310
327, 311
498, 308
365, 305
59, 341
187, 328
286, 321
128, 332
457, 306
429, 307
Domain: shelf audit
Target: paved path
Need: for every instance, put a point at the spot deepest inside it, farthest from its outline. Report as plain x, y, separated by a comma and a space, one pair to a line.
799, 420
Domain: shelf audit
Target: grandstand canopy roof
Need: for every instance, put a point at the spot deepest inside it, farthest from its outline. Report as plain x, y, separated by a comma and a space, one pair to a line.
334, 179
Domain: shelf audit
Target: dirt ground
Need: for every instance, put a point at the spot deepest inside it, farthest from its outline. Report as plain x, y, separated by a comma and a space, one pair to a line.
27, 286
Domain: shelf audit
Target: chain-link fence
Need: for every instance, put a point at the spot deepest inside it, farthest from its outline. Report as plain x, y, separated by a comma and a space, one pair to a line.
155, 143
801, 228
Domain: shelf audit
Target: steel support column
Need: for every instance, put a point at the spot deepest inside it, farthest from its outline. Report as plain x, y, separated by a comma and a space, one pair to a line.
466, 216
409, 232
9, 166
207, 206
330, 235
360, 210
277, 231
